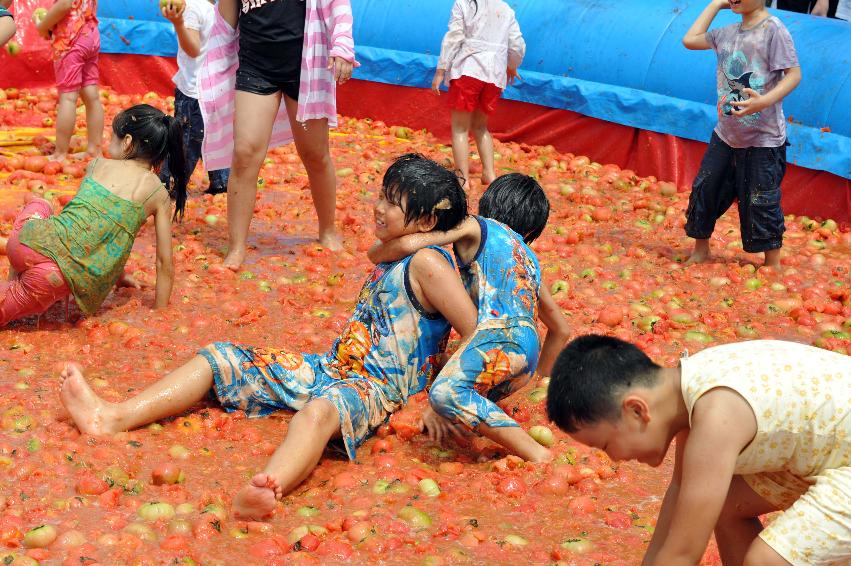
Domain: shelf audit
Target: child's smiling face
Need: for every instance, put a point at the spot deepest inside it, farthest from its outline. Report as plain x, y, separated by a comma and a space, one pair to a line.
390, 219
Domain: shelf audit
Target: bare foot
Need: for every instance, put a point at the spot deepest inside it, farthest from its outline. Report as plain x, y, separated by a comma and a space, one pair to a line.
86, 408
257, 500
60, 157
83, 155
234, 259
698, 257
331, 240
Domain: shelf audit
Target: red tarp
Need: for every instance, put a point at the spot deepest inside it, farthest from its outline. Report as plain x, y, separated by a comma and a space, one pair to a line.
813, 193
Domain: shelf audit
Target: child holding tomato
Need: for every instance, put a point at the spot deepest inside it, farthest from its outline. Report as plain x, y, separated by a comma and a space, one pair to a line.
385, 354
193, 23
71, 26
82, 250
502, 275
746, 158
7, 22
479, 55
761, 426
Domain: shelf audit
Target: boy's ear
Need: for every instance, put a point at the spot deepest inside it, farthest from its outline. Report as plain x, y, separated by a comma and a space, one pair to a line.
634, 406
427, 223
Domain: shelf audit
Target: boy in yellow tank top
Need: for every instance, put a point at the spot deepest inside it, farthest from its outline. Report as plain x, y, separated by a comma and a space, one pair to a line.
761, 426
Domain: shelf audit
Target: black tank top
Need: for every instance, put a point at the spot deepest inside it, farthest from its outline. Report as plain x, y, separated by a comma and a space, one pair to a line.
271, 37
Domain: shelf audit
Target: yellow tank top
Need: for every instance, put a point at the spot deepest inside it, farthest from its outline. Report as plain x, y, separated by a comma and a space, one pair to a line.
800, 395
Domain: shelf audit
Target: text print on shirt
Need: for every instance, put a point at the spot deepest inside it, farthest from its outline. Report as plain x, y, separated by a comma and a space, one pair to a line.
248, 5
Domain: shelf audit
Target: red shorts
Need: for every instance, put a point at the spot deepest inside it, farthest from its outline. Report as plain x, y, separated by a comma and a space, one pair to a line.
468, 94
78, 67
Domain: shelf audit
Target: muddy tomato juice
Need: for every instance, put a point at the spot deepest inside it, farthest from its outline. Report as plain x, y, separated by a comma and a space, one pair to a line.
612, 255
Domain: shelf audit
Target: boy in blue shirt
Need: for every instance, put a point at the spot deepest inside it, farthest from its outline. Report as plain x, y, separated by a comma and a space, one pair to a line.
746, 158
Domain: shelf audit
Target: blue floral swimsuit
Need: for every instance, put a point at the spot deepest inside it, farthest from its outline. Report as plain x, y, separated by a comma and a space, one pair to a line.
503, 280
385, 354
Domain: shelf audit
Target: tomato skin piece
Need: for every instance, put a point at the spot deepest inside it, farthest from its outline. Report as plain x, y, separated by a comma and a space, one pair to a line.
89, 484
618, 520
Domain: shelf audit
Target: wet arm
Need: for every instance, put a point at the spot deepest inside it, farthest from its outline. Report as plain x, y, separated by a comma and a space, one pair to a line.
165, 258
695, 37
558, 331
54, 15
663, 523
467, 235
439, 288
722, 425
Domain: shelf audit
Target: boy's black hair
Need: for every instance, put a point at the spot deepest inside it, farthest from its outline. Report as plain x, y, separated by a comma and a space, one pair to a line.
590, 377
429, 189
519, 202
155, 136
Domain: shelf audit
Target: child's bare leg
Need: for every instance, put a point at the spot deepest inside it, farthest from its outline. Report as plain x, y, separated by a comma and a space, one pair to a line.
461, 142
254, 116
700, 253
517, 441
173, 394
309, 431
484, 141
738, 525
315, 153
94, 119
772, 258
66, 119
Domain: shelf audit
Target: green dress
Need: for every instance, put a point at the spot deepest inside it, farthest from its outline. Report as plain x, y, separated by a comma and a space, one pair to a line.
90, 240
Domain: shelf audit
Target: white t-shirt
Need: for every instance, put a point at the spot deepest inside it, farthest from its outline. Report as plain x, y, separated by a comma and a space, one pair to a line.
483, 39
843, 10
199, 15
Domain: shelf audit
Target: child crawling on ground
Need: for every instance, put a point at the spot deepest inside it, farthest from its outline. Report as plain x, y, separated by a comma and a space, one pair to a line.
761, 426
502, 276
385, 354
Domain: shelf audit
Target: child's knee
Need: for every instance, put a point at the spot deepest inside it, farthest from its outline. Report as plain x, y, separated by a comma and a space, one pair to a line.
319, 413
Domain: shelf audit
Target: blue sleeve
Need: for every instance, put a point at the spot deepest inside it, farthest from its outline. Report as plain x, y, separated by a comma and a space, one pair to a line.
5, 13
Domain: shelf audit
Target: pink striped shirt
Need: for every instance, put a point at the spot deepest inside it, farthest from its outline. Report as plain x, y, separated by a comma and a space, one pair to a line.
327, 33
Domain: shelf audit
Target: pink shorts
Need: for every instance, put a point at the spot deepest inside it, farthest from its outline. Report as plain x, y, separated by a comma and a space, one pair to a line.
467, 94
78, 67
39, 282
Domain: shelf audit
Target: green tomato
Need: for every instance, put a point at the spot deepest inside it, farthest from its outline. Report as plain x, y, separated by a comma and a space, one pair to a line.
429, 487
577, 545
542, 435
155, 511
40, 537
414, 517
516, 540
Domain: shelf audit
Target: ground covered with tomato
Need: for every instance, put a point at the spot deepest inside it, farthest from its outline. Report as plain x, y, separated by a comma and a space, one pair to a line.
612, 255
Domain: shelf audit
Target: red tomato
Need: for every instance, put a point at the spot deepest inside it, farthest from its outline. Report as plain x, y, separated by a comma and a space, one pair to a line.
512, 487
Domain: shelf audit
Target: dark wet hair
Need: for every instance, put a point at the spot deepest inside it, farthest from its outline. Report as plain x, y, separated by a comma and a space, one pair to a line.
519, 202
155, 136
590, 377
430, 190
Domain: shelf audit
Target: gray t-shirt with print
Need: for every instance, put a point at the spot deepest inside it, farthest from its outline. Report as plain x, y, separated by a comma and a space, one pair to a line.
751, 58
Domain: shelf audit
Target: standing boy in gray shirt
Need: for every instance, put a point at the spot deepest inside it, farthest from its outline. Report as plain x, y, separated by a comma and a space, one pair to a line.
746, 158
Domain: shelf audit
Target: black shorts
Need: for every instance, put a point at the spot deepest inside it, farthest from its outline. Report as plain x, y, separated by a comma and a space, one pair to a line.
251, 79
750, 175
